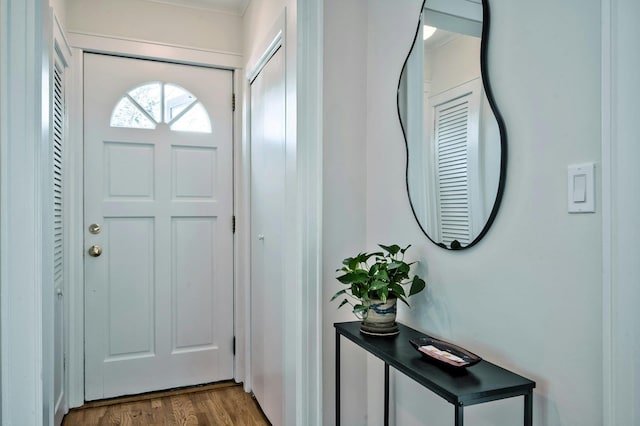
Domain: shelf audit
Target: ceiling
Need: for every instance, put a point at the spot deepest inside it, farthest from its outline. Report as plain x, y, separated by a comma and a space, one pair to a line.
231, 6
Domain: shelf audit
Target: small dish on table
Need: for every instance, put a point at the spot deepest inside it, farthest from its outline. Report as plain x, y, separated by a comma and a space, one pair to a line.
444, 352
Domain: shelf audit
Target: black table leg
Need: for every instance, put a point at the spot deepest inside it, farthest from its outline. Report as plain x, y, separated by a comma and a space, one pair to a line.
386, 394
337, 379
528, 409
459, 415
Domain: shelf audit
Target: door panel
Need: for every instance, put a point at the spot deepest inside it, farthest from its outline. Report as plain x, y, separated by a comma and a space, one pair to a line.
267, 204
130, 286
159, 299
194, 327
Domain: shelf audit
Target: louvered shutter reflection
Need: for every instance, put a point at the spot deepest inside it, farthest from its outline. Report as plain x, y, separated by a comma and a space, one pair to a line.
451, 137
58, 134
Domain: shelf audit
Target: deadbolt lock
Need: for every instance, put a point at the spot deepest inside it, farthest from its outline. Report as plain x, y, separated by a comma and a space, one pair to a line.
94, 228
95, 251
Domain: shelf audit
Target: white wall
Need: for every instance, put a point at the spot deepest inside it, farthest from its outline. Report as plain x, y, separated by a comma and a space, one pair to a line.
529, 294
257, 22
453, 63
157, 22
59, 9
344, 192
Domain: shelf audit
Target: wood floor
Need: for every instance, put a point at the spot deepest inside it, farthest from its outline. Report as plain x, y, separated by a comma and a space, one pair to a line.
218, 404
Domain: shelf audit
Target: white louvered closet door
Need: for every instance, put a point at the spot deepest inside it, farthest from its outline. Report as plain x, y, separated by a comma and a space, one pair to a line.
456, 129
58, 133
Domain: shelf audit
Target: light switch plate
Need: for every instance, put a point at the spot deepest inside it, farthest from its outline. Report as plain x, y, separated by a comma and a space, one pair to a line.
581, 191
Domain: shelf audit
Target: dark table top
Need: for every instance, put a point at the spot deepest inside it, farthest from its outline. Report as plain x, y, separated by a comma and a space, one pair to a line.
478, 383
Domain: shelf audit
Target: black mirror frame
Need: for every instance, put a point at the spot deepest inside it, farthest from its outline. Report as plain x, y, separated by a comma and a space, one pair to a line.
484, 42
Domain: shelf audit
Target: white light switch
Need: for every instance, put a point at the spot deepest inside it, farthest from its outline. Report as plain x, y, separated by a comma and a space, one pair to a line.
581, 188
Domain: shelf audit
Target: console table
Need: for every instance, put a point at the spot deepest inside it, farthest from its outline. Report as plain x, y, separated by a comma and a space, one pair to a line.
482, 382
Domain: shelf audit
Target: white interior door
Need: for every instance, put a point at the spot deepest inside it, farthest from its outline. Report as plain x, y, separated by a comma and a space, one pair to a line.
158, 182
58, 119
267, 213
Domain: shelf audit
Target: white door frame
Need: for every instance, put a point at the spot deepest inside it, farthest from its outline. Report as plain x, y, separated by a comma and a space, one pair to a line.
98, 44
309, 320
620, 206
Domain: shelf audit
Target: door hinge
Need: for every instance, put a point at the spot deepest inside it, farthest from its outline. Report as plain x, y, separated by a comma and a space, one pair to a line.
233, 346
233, 102
233, 224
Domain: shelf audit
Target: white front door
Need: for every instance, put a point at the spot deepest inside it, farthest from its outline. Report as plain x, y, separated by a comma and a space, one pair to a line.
158, 205
267, 226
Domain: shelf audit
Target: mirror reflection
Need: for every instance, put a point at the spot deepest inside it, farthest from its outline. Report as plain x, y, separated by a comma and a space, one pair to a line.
455, 151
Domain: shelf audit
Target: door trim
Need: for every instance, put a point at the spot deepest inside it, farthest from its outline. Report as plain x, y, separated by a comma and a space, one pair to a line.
608, 355
309, 319
619, 277
26, 325
140, 49
75, 298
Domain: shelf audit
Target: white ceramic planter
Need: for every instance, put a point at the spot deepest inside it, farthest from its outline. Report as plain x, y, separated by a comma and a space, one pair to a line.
381, 318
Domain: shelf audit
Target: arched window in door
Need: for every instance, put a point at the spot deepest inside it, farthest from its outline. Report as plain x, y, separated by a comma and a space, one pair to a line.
147, 105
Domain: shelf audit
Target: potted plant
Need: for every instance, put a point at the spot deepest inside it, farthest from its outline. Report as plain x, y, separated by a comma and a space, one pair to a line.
375, 281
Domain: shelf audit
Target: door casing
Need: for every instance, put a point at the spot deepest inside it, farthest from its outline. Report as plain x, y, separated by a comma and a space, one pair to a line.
75, 299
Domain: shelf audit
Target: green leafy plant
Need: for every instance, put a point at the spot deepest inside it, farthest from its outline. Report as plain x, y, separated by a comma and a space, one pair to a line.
379, 275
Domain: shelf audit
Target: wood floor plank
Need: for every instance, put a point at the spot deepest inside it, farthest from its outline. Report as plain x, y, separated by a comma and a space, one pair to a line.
237, 405
183, 411
223, 415
225, 405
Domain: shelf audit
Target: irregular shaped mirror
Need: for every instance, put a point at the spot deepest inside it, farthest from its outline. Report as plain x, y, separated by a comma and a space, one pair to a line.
455, 137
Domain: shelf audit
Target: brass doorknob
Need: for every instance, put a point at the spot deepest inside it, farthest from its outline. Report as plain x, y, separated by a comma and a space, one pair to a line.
95, 251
